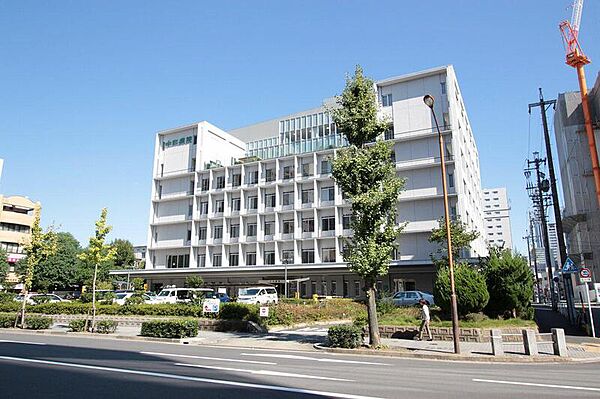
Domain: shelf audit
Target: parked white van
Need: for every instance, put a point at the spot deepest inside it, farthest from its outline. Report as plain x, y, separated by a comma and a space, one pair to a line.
257, 295
179, 295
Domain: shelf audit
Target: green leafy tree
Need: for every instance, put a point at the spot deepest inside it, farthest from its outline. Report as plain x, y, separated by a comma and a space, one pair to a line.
59, 269
98, 252
461, 239
4, 266
510, 283
366, 174
124, 256
194, 282
40, 246
471, 292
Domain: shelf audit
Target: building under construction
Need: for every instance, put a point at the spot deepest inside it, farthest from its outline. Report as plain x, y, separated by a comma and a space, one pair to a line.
581, 215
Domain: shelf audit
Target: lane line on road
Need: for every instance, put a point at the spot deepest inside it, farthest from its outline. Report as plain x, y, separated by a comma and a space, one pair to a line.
313, 359
264, 372
190, 378
209, 358
21, 342
534, 384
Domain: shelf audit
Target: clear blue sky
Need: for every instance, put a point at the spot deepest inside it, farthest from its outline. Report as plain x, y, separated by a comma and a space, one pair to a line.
86, 84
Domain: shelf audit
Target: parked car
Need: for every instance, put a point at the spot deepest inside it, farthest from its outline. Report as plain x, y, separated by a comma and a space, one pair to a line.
180, 295
411, 298
257, 295
34, 298
122, 297
223, 297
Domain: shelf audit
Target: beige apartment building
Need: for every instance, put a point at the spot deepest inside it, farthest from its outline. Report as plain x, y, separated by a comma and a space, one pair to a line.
16, 219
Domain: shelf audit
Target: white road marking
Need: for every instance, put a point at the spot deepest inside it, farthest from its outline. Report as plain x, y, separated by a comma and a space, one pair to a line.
209, 358
189, 378
21, 342
533, 384
264, 372
312, 359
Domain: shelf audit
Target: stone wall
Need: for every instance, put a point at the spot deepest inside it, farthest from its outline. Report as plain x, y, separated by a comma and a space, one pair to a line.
445, 333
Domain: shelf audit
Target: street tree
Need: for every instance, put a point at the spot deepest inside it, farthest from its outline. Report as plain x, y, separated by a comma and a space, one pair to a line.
471, 292
367, 176
194, 282
40, 245
510, 283
124, 256
98, 252
59, 269
461, 239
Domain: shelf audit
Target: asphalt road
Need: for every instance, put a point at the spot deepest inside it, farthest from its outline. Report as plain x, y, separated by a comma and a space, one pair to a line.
47, 366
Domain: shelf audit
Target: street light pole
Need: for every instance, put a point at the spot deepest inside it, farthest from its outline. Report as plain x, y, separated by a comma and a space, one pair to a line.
429, 101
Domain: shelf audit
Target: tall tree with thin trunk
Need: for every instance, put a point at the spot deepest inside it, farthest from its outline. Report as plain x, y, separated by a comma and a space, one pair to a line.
39, 246
366, 174
96, 253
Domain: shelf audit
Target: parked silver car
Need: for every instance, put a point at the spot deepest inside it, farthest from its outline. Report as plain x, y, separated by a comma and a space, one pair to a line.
411, 298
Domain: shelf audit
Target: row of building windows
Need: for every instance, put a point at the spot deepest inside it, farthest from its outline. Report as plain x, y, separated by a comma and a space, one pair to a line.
287, 198
18, 228
308, 226
328, 255
12, 248
16, 209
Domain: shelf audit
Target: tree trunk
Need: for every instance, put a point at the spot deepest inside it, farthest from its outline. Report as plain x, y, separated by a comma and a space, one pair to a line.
374, 338
94, 298
22, 312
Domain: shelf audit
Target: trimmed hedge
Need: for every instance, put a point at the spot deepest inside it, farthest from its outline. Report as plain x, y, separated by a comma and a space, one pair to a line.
77, 325
240, 311
106, 326
33, 322
344, 336
170, 328
7, 320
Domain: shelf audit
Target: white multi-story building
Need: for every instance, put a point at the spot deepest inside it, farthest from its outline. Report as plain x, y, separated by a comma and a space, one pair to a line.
496, 209
257, 203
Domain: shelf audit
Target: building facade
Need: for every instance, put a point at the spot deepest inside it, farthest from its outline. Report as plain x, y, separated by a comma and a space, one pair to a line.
496, 209
16, 219
581, 213
258, 203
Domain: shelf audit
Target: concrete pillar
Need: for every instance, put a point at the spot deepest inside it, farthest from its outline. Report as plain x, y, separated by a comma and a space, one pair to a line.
558, 342
496, 340
530, 343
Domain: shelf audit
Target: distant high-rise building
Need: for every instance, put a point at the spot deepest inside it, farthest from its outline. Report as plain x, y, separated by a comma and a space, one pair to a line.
496, 210
581, 214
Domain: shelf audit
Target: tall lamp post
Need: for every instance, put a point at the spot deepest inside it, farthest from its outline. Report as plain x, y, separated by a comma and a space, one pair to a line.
429, 101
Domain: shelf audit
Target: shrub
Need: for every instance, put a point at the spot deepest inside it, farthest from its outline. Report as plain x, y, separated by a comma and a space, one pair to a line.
77, 325
385, 305
6, 297
344, 336
170, 328
475, 317
240, 311
106, 326
7, 320
37, 322
471, 292
510, 283
135, 299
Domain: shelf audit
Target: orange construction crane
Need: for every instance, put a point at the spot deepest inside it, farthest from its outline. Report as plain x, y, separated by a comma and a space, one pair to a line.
577, 59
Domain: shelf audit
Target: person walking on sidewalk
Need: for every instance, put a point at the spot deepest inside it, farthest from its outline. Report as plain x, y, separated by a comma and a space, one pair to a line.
425, 318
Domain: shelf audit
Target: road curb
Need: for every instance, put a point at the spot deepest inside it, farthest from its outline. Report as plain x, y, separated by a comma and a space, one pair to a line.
99, 336
452, 357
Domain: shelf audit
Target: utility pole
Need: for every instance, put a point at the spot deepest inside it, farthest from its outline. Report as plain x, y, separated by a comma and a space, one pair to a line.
537, 276
537, 194
562, 248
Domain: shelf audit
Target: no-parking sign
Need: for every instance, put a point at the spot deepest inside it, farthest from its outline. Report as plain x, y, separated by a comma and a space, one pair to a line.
585, 275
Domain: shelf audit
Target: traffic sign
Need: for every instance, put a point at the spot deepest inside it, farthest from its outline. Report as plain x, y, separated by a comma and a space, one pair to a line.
585, 275
569, 267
